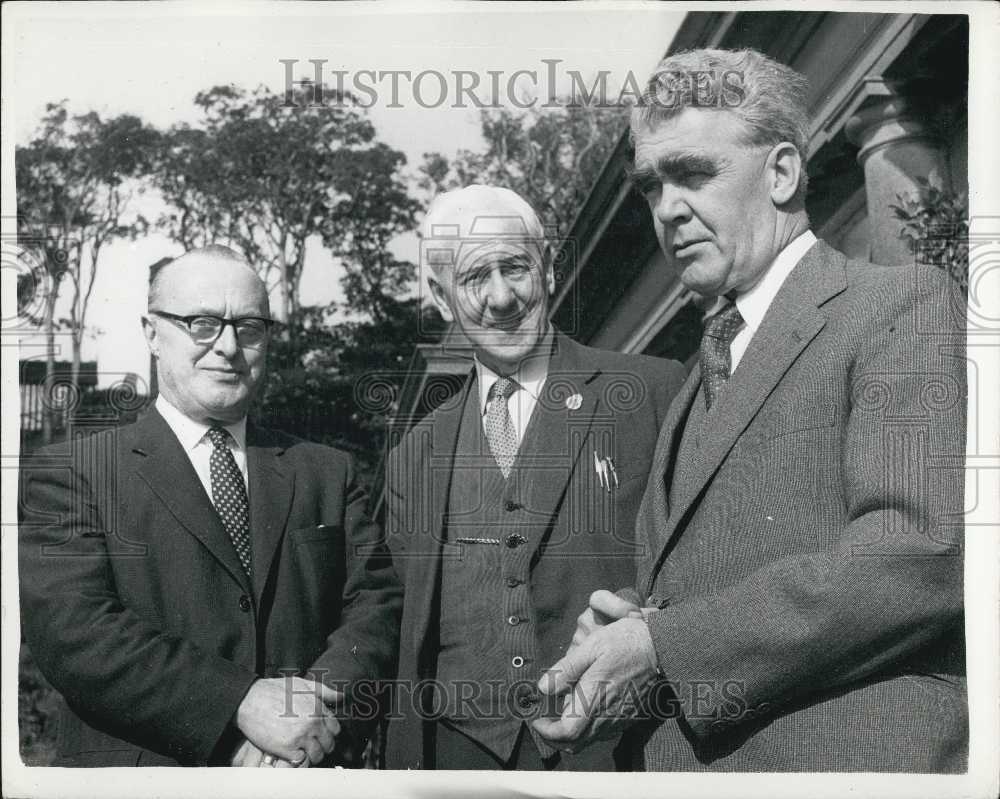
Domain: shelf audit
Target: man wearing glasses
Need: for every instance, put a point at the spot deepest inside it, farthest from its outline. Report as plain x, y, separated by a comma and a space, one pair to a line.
181, 578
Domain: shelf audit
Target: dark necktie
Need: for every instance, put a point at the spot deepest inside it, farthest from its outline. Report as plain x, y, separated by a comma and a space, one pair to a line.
229, 495
720, 330
500, 431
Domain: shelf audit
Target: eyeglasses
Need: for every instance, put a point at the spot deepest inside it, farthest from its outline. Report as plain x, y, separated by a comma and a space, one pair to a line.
251, 331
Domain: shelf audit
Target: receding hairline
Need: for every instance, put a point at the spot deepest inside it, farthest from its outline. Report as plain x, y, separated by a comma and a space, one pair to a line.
213, 252
480, 200
448, 223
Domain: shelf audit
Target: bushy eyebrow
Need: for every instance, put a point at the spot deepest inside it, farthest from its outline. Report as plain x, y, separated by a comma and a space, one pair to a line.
671, 166
502, 260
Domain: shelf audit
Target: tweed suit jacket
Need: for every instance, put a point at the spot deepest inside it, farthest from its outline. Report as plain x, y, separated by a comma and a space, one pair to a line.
809, 571
137, 609
583, 539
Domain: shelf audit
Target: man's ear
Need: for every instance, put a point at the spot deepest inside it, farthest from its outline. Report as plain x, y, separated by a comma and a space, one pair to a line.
784, 169
440, 297
152, 342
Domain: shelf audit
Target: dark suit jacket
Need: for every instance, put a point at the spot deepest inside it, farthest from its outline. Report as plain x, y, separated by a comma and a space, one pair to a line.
810, 570
624, 399
137, 609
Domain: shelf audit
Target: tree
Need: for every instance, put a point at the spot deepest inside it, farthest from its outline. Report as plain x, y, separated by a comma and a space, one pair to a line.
550, 156
264, 177
336, 382
377, 209
75, 184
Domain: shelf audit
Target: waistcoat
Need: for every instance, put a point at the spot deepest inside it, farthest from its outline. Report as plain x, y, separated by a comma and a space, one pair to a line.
488, 636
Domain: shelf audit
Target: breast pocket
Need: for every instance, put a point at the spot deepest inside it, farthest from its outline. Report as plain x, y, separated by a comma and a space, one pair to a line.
318, 565
320, 534
813, 418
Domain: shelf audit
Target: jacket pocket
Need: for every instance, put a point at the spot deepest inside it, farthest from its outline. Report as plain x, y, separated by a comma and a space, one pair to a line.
321, 533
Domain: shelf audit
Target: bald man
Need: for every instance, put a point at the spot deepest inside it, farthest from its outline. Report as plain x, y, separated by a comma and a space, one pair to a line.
181, 577
513, 501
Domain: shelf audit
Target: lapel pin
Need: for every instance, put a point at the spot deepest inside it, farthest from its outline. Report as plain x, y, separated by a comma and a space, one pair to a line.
573, 402
605, 469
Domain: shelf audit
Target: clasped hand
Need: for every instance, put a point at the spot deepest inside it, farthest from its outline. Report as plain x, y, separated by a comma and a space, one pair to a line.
287, 722
604, 676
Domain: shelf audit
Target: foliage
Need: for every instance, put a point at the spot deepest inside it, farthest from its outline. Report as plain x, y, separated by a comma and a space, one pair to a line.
318, 372
936, 225
377, 208
37, 705
264, 177
550, 156
75, 184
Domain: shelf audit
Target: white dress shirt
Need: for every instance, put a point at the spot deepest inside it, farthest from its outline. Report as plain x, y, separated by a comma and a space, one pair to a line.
530, 378
754, 303
194, 441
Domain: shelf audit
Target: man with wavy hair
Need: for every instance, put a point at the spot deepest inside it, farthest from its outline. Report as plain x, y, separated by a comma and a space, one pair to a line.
802, 589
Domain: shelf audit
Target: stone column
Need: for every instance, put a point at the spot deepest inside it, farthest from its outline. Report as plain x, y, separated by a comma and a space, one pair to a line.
897, 148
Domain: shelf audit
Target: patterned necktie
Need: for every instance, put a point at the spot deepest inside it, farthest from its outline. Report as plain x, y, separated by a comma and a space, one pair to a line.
229, 495
715, 361
500, 430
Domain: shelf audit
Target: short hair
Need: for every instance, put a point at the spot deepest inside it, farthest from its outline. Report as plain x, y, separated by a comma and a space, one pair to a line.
773, 106
157, 270
492, 204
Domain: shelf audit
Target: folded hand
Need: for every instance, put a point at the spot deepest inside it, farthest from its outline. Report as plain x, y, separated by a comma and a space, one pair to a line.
604, 679
288, 717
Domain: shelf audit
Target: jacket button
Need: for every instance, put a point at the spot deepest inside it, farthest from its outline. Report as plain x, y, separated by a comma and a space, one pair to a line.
513, 621
513, 582
511, 506
514, 540
245, 603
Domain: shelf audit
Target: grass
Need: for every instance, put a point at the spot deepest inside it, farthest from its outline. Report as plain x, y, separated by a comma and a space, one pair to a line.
37, 710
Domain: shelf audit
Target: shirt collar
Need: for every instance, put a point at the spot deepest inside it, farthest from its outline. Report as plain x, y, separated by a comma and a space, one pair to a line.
753, 304
530, 375
191, 433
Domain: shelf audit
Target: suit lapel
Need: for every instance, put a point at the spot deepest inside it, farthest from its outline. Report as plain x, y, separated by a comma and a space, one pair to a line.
791, 323
271, 490
167, 470
556, 433
436, 463
654, 512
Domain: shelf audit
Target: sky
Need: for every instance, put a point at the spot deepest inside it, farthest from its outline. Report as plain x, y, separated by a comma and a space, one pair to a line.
151, 59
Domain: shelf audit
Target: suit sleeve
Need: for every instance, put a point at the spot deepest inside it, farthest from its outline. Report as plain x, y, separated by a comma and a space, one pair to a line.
115, 670
807, 624
364, 645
